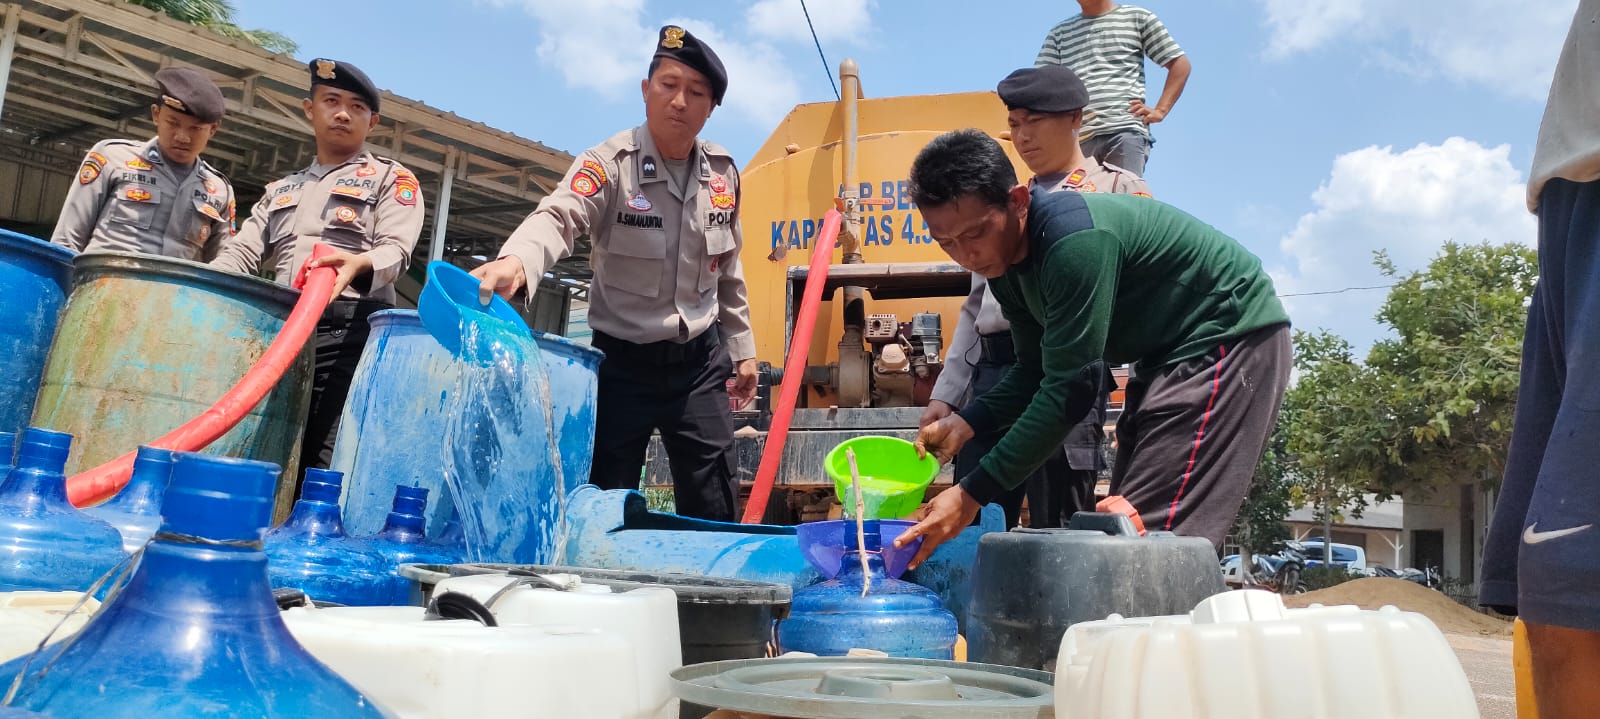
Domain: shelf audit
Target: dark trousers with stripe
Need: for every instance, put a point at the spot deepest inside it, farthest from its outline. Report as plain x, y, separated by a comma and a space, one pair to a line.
1191, 434
681, 391
1539, 556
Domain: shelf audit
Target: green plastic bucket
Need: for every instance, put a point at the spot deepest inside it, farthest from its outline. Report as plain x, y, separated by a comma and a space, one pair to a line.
893, 479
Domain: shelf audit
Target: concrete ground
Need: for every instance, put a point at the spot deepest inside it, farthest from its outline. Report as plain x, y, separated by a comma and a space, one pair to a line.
1487, 661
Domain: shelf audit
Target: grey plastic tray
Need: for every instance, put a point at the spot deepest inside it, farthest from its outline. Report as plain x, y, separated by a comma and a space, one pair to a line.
852, 688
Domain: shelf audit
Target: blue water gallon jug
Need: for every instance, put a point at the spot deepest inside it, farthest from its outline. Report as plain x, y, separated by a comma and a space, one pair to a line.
311, 552
136, 510
404, 539
195, 633
896, 617
45, 542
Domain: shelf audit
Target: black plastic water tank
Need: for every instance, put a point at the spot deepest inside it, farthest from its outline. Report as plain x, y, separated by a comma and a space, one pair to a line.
1031, 584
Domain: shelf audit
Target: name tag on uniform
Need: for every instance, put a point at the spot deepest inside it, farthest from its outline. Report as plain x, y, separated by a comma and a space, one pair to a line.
649, 222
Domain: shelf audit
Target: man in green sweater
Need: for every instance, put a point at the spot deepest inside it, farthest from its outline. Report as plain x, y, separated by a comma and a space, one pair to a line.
1087, 279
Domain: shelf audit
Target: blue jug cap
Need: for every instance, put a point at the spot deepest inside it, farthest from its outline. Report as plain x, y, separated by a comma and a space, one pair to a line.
219, 497
870, 528
316, 490
410, 500
325, 476
44, 449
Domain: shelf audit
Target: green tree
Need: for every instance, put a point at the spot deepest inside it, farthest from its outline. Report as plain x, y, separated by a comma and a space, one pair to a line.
1450, 374
1336, 426
218, 15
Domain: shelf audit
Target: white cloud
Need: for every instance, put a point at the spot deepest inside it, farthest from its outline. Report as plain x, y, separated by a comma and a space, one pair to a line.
1507, 48
835, 20
761, 86
1406, 203
568, 32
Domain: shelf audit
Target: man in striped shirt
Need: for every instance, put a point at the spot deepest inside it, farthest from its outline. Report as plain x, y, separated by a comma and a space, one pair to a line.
1106, 45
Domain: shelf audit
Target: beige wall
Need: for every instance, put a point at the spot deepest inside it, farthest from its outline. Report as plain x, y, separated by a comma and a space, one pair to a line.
1380, 553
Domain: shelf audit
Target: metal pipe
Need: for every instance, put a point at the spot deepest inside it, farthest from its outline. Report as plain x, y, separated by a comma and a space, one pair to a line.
850, 87
441, 213
855, 378
8, 48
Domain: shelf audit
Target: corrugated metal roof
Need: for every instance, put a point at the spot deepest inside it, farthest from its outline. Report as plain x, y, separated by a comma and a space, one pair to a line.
1379, 515
82, 72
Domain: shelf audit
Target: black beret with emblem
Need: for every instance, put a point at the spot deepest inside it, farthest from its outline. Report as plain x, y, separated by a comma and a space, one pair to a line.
344, 76
676, 43
190, 92
1050, 88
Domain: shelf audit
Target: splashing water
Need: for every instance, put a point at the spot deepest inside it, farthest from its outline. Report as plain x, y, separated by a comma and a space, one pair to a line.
506, 485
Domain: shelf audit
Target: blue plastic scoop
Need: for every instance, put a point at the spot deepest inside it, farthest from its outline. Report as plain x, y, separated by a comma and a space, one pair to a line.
451, 296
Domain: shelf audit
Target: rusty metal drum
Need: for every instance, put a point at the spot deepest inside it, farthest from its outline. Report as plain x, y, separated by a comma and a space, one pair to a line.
146, 343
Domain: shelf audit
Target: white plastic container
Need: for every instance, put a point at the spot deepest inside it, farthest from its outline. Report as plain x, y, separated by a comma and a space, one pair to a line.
417, 669
1242, 655
27, 617
647, 617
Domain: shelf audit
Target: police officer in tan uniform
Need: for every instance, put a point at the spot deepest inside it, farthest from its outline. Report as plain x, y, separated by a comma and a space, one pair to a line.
366, 207
156, 197
667, 303
1045, 107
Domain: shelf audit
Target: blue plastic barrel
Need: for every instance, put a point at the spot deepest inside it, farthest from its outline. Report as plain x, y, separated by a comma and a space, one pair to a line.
147, 343
399, 413
36, 276
195, 633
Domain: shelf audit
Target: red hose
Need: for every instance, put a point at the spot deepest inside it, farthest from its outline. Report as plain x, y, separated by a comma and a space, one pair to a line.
794, 368
99, 484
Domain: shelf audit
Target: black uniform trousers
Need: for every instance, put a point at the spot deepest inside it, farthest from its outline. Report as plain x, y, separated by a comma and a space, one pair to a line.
1064, 484
681, 391
341, 334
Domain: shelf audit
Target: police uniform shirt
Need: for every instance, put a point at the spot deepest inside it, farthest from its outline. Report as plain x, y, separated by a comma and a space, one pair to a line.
666, 252
129, 198
980, 313
367, 205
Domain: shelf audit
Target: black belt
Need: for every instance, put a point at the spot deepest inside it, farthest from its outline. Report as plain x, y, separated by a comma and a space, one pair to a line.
665, 352
996, 348
353, 309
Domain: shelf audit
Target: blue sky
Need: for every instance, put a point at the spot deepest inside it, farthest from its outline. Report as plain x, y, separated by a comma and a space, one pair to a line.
1315, 131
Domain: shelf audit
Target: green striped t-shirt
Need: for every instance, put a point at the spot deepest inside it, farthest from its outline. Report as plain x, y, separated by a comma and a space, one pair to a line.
1108, 51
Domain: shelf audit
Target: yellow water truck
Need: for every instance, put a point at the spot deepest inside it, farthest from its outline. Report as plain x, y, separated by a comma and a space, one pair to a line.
892, 296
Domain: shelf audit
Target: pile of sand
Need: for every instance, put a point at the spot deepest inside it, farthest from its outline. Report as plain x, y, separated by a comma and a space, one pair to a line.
1376, 592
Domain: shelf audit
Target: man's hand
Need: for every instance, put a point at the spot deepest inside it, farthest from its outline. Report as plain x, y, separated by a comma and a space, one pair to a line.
349, 267
503, 276
1150, 115
949, 513
944, 438
744, 386
937, 410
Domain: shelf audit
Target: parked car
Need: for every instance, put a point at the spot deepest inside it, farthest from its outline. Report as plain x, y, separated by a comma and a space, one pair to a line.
1349, 556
